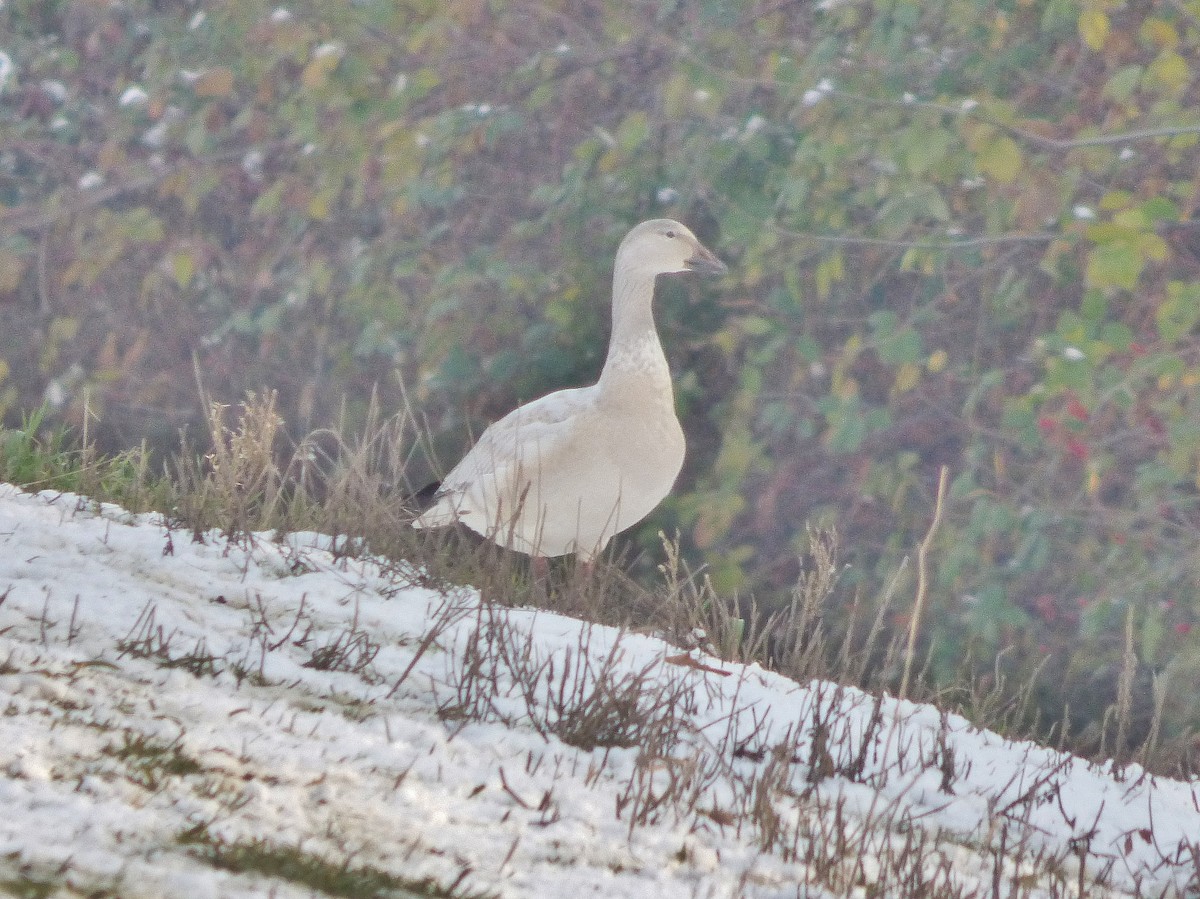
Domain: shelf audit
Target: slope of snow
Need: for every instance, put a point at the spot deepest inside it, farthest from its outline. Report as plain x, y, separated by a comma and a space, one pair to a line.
159, 696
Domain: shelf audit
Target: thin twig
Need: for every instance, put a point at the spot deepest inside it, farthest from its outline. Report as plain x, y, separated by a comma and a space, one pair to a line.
923, 579
43, 215
950, 243
977, 112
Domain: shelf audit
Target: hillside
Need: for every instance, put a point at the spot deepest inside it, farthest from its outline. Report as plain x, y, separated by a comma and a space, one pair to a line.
217, 719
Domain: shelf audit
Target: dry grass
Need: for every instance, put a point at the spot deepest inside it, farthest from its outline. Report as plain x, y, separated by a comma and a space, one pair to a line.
355, 489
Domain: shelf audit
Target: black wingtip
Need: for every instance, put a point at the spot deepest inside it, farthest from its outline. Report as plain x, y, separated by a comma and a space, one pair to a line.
423, 498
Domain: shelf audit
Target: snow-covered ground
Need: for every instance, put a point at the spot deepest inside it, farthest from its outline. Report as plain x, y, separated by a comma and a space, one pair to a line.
168, 709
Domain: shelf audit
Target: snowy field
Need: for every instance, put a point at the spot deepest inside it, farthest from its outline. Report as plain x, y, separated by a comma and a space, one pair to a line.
200, 720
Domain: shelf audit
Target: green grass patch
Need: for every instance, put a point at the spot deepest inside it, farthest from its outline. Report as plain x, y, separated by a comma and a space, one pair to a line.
28, 888
151, 762
331, 878
37, 457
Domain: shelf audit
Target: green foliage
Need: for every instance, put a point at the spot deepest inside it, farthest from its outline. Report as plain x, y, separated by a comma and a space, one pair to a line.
959, 233
39, 457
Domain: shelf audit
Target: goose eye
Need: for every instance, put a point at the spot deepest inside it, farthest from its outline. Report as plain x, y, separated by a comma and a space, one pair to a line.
670, 234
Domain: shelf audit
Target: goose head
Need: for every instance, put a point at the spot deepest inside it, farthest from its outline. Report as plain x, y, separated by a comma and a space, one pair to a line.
663, 246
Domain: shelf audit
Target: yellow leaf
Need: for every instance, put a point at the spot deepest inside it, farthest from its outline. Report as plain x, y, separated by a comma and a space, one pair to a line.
907, 377
74, 273
1159, 32
675, 95
215, 83
1094, 27
727, 339
844, 388
12, 268
1093, 479
62, 328
937, 361
1001, 159
1133, 219
830, 270
1153, 247
3, 370
318, 206
183, 266
1118, 263
321, 66
1169, 70
1115, 199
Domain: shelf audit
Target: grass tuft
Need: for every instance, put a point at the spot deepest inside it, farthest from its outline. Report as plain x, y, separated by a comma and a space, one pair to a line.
29, 888
313, 871
151, 761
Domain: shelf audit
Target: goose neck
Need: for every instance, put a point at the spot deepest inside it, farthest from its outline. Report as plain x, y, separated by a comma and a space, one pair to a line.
634, 349
632, 309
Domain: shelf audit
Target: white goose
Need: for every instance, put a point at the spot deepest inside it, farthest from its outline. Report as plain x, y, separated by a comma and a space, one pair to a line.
566, 472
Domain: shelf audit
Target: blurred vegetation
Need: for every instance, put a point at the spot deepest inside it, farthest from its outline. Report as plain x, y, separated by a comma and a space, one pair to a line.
960, 233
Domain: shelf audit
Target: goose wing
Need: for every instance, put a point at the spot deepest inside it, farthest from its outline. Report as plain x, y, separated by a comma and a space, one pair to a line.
521, 440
